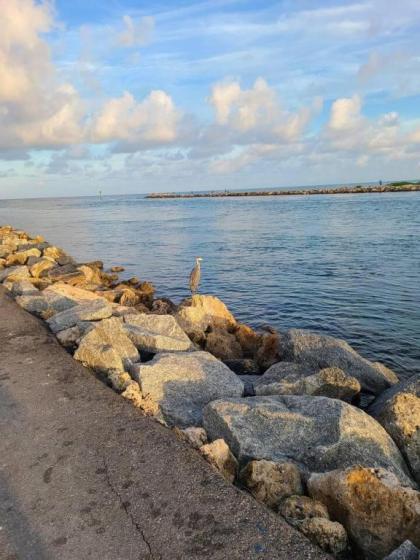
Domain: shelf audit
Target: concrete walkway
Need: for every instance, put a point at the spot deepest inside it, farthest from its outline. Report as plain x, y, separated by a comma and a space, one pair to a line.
84, 476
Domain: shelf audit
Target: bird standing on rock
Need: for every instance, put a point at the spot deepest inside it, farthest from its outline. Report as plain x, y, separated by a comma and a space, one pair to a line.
195, 275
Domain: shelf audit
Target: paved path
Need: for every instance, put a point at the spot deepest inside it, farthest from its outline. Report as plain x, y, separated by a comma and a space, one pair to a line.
84, 476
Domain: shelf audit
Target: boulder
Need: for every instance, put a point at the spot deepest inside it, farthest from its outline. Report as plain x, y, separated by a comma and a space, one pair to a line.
377, 512
317, 433
400, 416
223, 345
163, 306
41, 267
133, 394
92, 311
20, 257
36, 304
406, 551
270, 482
285, 378
106, 347
182, 383
248, 339
7, 249
410, 385
219, 455
296, 509
69, 274
320, 351
24, 288
14, 273
330, 536
69, 338
62, 296
244, 366
156, 333
120, 380
194, 435
196, 314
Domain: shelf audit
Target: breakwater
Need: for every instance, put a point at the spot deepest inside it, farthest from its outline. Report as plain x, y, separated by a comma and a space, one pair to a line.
277, 413
410, 187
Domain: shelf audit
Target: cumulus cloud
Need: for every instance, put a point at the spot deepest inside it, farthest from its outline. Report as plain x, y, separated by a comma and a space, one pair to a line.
35, 108
151, 121
258, 111
136, 32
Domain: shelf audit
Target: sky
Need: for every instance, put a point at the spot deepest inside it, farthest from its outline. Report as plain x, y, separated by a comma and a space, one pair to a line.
131, 96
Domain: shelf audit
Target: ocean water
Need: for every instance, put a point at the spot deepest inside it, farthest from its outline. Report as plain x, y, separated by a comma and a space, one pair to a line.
343, 265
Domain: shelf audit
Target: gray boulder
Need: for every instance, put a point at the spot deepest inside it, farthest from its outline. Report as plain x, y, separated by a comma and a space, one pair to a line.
93, 311
14, 273
319, 351
184, 382
317, 433
286, 378
106, 347
410, 385
156, 333
406, 551
24, 288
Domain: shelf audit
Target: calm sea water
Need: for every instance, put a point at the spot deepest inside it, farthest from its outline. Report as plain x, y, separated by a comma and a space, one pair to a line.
346, 265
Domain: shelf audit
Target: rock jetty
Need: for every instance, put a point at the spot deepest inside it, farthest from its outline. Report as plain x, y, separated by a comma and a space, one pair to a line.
277, 414
359, 189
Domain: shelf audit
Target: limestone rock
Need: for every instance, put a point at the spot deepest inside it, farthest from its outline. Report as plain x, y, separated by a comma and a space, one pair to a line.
377, 512
14, 273
328, 535
410, 385
120, 380
195, 436
92, 311
24, 288
400, 417
69, 274
106, 347
285, 378
320, 351
69, 338
41, 267
296, 509
133, 394
201, 312
270, 482
223, 345
219, 455
183, 383
156, 333
317, 433
406, 551
36, 304
122, 310
62, 296
20, 257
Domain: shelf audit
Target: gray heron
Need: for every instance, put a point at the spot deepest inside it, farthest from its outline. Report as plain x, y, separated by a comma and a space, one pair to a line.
195, 275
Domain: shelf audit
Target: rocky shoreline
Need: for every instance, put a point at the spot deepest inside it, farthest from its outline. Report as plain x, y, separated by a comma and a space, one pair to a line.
409, 187
278, 414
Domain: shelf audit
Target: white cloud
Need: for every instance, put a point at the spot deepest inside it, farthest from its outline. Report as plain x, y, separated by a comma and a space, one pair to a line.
257, 112
151, 121
136, 32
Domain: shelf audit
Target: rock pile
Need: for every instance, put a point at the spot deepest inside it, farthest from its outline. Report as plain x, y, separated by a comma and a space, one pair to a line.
275, 413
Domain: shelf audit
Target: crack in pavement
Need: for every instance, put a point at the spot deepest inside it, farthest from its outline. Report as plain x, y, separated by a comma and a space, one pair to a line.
125, 507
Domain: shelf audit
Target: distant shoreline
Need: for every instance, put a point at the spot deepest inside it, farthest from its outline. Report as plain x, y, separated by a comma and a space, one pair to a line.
408, 187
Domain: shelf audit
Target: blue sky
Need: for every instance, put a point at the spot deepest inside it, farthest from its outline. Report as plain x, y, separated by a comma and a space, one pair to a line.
129, 96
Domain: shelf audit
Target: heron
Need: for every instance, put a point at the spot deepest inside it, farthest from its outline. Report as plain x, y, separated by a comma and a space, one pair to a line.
195, 275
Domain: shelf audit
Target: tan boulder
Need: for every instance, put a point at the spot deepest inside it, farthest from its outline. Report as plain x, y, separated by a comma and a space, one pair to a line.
270, 482
20, 257
198, 313
41, 267
220, 456
120, 380
328, 535
401, 419
377, 512
223, 345
248, 339
195, 436
298, 508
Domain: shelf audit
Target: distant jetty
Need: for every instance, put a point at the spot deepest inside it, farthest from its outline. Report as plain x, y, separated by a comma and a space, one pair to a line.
390, 187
